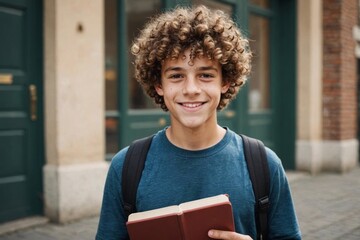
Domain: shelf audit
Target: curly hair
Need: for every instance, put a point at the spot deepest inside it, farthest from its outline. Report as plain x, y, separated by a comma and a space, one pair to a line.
207, 33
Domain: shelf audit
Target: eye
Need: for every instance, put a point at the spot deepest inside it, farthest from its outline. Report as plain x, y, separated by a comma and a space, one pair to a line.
175, 76
206, 76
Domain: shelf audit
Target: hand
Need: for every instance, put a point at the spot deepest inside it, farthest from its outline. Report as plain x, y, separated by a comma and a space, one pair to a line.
227, 235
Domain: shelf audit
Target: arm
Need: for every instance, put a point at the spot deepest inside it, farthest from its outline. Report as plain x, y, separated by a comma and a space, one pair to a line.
112, 223
282, 218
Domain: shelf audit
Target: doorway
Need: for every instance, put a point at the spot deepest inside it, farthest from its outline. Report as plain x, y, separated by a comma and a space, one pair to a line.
21, 123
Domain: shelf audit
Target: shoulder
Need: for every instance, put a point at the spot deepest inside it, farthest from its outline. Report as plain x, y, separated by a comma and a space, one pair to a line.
274, 161
117, 161
276, 169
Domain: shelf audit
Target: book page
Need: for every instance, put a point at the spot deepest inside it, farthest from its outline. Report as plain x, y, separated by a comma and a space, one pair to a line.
204, 202
171, 210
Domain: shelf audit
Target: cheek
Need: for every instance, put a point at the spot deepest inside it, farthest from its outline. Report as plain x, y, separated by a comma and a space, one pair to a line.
213, 90
169, 93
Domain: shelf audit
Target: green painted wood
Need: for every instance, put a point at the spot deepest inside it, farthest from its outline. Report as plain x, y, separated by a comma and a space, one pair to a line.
21, 139
286, 89
277, 126
123, 76
260, 124
261, 11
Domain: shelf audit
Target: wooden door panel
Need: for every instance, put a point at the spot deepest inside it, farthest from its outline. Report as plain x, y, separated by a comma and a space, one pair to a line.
12, 28
20, 27
12, 98
261, 126
143, 123
12, 153
19, 205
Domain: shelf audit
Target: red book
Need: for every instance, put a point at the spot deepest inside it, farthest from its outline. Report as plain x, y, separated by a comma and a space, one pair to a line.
187, 221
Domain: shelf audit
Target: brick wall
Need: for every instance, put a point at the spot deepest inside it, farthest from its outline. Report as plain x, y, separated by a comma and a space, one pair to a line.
339, 70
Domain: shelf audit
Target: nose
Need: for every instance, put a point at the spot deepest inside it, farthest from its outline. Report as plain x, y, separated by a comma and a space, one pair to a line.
191, 86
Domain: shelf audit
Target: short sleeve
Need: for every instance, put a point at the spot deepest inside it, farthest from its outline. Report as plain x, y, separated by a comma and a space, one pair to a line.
282, 221
112, 223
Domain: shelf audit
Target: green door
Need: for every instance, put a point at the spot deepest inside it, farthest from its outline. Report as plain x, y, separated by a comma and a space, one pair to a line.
262, 82
270, 92
21, 146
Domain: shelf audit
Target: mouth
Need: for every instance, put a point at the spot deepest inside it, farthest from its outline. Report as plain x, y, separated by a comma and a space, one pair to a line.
192, 105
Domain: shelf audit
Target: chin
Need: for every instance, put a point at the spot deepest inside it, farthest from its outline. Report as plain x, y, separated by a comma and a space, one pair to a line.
194, 124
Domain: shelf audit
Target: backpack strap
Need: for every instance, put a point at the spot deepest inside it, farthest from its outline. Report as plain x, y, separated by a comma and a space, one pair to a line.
255, 156
131, 173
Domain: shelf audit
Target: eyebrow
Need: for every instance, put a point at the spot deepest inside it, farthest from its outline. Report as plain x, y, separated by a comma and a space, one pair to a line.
204, 68
173, 69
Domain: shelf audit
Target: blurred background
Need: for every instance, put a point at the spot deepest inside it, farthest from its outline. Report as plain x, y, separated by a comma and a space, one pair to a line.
69, 101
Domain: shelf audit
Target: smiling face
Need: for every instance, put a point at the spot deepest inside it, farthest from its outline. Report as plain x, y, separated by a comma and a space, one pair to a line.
192, 91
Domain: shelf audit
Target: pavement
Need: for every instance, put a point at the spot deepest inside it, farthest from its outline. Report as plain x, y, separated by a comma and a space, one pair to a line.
327, 206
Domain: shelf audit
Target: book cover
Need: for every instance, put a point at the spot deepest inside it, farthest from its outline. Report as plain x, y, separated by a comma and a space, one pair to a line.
187, 221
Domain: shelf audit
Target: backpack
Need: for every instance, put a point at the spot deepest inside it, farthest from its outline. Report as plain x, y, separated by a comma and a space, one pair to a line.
255, 156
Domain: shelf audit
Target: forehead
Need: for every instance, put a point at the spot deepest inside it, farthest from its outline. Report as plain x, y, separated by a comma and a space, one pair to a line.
184, 61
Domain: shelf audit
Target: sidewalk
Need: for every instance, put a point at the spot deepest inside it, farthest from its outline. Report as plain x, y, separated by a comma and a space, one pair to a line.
328, 207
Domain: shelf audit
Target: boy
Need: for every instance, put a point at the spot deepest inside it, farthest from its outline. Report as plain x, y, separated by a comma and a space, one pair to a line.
193, 62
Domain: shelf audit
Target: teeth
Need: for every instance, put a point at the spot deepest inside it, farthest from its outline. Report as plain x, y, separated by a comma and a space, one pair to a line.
191, 105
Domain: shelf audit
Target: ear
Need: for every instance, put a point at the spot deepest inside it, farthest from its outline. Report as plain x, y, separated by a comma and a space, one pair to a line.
225, 87
159, 89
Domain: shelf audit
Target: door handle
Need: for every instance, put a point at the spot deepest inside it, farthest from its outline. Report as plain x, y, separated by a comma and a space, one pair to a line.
229, 113
33, 102
162, 122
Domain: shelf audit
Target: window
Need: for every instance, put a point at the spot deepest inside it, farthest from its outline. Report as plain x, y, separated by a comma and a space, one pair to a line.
214, 5
259, 83
261, 3
137, 14
111, 79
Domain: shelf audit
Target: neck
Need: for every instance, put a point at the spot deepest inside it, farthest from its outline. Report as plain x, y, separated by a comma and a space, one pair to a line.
195, 139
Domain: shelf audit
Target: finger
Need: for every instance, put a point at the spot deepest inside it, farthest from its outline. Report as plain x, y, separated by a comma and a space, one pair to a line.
227, 235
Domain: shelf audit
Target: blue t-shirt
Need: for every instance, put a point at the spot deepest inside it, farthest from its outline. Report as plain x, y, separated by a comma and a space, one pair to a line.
173, 175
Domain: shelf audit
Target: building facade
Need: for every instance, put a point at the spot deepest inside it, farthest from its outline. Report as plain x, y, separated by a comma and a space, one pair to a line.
69, 102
